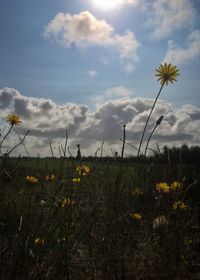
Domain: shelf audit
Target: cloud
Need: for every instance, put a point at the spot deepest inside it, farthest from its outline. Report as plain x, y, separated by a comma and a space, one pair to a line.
111, 93
131, 2
168, 16
129, 68
43, 116
92, 73
85, 30
47, 122
117, 4
179, 55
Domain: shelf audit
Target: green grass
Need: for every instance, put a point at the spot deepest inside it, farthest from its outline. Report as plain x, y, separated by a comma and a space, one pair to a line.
96, 238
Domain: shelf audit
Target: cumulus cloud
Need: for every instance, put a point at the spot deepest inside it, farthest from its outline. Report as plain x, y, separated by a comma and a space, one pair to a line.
47, 121
43, 116
179, 55
168, 16
85, 30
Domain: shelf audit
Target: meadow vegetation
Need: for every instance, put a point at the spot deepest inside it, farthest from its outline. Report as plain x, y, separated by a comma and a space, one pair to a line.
100, 218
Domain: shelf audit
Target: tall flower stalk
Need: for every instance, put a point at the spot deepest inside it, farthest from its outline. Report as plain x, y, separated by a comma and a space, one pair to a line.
124, 140
13, 120
158, 122
165, 73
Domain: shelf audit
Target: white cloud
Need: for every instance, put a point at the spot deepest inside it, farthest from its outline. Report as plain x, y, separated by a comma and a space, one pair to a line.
168, 16
129, 68
47, 122
85, 30
81, 29
111, 93
132, 2
43, 116
179, 55
127, 45
106, 4
92, 73
128, 2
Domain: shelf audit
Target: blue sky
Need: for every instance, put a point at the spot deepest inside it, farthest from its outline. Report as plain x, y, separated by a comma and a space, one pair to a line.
77, 52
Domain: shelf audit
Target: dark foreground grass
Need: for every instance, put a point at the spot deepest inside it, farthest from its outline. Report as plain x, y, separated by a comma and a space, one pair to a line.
112, 224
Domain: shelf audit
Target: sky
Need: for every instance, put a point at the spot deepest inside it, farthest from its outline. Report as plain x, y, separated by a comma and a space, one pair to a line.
89, 67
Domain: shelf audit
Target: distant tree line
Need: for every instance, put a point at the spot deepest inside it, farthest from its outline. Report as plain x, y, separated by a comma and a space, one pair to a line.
183, 154
176, 155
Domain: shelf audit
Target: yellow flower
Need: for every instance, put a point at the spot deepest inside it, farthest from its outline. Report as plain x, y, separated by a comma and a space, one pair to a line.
137, 191
136, 216
162, 187
13, 119
167, 73
175, 186
32, 179
83, 170
179, 205
39, 241
50, 178
76, 180
67, 202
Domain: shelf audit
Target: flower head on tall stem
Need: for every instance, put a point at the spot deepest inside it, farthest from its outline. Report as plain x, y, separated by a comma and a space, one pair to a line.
13, 119
167, 73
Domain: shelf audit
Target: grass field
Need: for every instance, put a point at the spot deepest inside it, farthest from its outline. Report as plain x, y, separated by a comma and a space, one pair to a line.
99, 220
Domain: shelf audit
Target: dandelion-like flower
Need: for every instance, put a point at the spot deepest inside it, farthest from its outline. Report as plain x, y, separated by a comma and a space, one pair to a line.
39, 241
32, 180
175, 186
83, 170
167, 73
50, 178
179, 205
136, 216
67, 202
13, 119
162, 187
76, 180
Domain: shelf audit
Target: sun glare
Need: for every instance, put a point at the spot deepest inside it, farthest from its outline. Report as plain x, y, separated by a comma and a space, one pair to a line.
107, 4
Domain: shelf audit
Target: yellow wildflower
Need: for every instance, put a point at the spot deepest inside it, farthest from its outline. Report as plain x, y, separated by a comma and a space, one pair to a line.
83, 170
136, 216
67, 202
50, 178
167, 73
32, 179
162, 187
13, 119
137, 191
76, 180
39, 241
179, 205
175, 186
